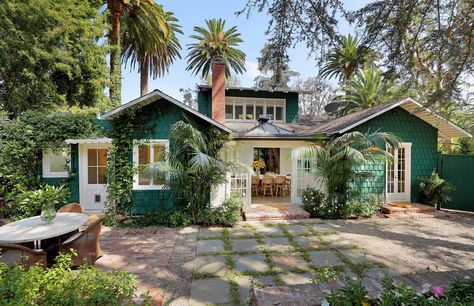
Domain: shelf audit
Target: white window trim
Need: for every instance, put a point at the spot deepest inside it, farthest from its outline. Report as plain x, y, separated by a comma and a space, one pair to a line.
136, 143
233, 101
47, 166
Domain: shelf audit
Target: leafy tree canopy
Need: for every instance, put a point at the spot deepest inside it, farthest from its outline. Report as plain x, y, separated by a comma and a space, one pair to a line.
50, 55
428, 44
277, 66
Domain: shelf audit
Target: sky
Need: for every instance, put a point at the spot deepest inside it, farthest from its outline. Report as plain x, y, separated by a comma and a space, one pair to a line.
193, 13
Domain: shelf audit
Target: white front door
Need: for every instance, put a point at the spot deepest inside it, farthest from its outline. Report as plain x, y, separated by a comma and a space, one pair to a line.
398, 174
92, 178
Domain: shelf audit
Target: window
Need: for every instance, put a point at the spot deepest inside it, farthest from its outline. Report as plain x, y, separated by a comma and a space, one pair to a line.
96, 166
250, 109
55, 164
145, 153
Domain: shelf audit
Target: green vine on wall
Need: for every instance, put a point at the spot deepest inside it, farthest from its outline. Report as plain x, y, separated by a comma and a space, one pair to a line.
120, 168
22, 141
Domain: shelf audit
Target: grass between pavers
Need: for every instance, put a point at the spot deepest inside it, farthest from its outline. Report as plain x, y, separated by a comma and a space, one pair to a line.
321, 274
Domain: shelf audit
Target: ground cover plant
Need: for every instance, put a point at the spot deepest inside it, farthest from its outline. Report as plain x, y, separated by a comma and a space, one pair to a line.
60, 285
459, 292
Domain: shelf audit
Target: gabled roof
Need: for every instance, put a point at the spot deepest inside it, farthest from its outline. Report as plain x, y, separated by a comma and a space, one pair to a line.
155, 96
446, 128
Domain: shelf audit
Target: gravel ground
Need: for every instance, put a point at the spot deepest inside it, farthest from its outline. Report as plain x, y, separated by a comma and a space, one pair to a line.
445, 243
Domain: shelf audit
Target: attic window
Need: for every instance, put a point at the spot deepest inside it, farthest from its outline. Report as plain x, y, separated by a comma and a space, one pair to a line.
250, 109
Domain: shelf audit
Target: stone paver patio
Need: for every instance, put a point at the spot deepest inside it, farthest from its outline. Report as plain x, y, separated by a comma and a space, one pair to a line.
200, 266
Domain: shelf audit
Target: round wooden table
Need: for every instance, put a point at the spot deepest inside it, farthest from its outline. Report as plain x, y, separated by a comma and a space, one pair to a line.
34, 229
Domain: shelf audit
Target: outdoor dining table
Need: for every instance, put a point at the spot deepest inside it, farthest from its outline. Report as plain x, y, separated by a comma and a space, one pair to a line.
34, 229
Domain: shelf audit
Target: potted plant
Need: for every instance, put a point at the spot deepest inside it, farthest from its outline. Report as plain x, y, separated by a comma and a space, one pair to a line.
435, 191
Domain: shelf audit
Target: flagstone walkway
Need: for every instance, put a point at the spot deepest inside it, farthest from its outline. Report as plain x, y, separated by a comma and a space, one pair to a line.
230, 261
199, 266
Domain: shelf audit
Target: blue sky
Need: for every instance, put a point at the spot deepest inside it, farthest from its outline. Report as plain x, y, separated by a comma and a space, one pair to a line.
191, 13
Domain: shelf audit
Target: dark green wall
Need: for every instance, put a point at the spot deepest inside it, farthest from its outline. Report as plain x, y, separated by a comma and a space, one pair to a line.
205, 101
157, 119
73, 181
409, 128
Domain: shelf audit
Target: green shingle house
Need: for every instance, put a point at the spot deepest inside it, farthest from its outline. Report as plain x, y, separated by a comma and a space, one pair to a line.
266, 125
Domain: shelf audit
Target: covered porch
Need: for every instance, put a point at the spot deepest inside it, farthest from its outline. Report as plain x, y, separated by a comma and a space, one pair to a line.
280, 182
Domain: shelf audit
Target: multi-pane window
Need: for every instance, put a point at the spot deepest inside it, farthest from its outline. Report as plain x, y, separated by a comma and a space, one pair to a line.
250, 109
145, 155
55, 164
96, 166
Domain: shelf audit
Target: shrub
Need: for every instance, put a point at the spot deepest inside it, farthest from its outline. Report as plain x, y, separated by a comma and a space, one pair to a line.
61, 286
365, 208
177, 218
460, 292
27, 203
435, 191
227, 214
313, 202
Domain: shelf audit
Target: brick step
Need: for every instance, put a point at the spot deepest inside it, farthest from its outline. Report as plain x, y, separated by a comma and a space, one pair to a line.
413, 215
274, 212
416, 208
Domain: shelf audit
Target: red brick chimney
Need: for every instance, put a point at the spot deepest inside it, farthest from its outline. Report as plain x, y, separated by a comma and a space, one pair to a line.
218, 89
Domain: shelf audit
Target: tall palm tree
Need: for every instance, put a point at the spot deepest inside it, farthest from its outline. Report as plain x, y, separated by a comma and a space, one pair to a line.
346, 59
212, 43
120, 10
368, 88
149, 41
338, 162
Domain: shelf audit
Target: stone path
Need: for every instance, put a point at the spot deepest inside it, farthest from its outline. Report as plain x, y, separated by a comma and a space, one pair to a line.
162, 258
217, 266
230, 262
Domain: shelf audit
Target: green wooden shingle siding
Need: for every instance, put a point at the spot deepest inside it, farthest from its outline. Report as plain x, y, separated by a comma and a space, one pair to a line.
159, 117
408, 128
205, 100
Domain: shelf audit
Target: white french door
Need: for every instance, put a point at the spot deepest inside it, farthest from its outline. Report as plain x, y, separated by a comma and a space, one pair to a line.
302, 178
398, 174
92, 170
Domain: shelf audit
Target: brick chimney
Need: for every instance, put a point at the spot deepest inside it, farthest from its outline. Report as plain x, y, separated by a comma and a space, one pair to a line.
218, 89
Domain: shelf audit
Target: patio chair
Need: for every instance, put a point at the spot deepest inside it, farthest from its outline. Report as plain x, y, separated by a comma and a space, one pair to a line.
255, 184
13, 254
85, 243
288, 184
267, 185
72, 208
280, 182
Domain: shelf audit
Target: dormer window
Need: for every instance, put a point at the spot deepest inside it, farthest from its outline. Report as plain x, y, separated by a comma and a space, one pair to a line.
250, 109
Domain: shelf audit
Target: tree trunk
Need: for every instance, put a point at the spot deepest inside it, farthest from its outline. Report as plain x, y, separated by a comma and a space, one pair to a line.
144, 76
115, 92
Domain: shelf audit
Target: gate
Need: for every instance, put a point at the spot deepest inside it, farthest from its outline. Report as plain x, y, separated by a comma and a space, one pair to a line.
459, 171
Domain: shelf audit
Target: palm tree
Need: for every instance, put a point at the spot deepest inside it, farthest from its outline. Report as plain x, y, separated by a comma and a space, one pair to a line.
368, 88
149, 41
346, 59
339, 159
212, 43
120, 10
194, 165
